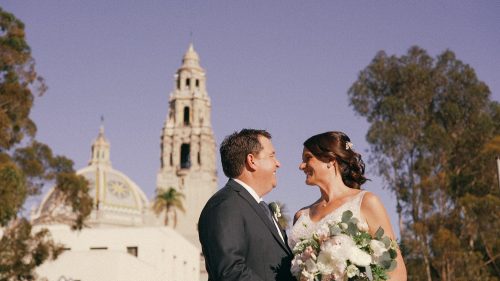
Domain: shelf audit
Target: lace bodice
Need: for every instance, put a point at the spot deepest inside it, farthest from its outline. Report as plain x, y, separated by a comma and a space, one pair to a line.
304, 226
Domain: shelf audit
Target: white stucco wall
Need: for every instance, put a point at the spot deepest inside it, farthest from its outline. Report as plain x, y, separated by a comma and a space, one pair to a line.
162, 254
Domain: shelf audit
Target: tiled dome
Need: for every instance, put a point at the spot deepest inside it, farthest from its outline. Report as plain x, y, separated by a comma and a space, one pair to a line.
117, 199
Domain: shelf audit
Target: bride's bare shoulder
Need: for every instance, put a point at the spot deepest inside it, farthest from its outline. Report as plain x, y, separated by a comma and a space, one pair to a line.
371, 201
299, 213
302, 211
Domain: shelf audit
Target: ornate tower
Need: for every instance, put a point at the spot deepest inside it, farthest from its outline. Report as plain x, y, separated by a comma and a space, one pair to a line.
188, 145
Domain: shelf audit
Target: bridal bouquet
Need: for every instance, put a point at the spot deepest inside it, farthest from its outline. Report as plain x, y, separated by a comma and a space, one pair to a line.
344, 251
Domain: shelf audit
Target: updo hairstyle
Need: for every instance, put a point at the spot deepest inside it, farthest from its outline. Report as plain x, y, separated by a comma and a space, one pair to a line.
337, 146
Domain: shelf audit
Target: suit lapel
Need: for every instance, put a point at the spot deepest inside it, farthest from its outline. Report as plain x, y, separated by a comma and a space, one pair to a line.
258, 210
285, 237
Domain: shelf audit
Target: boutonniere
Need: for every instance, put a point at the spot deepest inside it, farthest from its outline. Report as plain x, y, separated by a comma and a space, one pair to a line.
276, 210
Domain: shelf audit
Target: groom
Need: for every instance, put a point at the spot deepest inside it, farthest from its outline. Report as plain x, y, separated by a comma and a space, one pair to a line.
240, 238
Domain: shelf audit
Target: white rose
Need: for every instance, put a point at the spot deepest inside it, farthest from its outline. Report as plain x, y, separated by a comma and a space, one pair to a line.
323, 232
325, 263
297, 265
343, 246
352, 271
339, 266
344, 240
378, 248
338, 246
328, 247
359, 257
311, 266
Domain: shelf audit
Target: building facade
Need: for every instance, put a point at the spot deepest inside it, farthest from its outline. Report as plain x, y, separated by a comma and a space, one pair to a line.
188, 145
124, 239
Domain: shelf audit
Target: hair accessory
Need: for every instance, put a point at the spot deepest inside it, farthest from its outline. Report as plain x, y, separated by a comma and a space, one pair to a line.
348, 145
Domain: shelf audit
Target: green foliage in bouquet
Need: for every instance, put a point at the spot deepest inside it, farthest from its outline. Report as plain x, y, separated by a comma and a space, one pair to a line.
345, 249
387, 261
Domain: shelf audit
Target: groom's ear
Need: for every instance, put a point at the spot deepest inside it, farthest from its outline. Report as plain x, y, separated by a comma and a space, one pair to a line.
250, 162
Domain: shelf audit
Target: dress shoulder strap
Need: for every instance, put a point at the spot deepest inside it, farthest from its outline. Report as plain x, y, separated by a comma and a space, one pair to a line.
359, 200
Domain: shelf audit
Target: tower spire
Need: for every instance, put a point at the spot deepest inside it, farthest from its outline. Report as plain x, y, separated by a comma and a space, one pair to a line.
191, 60
100, 148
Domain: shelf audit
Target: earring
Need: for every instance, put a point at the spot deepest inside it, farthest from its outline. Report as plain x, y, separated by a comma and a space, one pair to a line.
328, 165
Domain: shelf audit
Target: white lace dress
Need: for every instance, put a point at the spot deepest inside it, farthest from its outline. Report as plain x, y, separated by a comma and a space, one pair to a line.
304, 227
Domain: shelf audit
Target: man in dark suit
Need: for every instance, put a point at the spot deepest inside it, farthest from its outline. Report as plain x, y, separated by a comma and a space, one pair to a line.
240, 238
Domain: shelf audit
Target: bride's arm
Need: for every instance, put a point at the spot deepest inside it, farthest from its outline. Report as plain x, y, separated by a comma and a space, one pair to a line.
376, 216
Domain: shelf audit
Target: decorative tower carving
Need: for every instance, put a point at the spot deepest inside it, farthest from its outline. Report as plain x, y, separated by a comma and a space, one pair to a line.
100, 150
188, 145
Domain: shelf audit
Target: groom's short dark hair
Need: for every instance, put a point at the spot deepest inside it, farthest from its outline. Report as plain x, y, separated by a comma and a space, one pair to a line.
235, 148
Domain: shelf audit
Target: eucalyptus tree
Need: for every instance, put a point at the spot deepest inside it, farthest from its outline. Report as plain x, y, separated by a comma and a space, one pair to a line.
431, 122
26, 165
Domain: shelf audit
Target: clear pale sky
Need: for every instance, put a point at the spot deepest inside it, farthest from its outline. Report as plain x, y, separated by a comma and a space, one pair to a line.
284, 66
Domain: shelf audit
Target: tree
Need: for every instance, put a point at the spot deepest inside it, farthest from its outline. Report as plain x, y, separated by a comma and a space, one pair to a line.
26, 165
431, 122
169, 201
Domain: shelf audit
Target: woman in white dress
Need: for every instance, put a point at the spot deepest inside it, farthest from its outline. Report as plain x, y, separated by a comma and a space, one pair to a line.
330, 163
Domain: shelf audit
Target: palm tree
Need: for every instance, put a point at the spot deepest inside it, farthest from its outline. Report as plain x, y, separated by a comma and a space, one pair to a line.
169, 201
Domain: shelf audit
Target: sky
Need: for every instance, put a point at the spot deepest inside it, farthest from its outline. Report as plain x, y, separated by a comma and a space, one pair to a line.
283, 66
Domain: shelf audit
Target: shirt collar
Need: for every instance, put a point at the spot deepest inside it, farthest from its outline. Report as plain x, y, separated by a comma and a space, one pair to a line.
250, 190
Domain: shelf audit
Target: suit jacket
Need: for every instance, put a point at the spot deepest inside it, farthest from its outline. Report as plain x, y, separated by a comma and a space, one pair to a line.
238, 239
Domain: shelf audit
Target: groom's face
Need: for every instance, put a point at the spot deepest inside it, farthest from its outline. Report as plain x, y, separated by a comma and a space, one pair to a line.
267, 164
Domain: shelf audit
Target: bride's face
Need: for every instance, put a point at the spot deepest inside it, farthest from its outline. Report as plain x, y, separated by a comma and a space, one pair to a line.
316, 171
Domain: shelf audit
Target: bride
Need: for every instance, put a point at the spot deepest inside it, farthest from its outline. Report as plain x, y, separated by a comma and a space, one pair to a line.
330, 163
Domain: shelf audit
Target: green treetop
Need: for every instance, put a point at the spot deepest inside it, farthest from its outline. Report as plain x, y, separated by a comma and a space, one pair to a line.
26, 165
434, 137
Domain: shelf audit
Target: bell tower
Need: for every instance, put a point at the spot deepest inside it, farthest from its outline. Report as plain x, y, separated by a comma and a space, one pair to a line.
188, 145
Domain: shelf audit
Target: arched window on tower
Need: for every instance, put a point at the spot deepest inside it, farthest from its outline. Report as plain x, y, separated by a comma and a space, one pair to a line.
197, 83
185, 156
199, 158
188, 82
186, 116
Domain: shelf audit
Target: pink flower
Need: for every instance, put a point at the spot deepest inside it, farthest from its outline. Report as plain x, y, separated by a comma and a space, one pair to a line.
308, 253
323, 232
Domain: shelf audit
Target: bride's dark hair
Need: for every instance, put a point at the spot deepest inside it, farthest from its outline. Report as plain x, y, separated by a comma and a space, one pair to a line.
338, 147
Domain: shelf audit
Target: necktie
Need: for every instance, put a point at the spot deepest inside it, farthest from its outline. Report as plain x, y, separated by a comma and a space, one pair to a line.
266, 210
